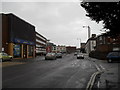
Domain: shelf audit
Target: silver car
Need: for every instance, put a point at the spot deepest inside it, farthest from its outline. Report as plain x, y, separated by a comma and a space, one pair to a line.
5, 56
59, 55
80, 56
50, 56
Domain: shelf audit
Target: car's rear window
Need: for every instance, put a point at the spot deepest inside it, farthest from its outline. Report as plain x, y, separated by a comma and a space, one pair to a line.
114, 54
51, 54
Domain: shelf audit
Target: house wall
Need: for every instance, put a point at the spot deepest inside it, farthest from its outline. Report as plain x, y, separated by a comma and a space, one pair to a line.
5, 33
0, 33
70, 49
16, 39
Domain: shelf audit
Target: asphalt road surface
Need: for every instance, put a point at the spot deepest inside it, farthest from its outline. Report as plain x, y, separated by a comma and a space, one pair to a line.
66, 72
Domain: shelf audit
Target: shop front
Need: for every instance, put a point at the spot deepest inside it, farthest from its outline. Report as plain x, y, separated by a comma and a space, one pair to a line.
22, 49
18, 37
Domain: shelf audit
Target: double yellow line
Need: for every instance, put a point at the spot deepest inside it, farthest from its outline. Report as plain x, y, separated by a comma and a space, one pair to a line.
92, 78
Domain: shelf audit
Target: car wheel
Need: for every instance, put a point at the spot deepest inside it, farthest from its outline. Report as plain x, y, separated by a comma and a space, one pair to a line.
109, 60
11, 59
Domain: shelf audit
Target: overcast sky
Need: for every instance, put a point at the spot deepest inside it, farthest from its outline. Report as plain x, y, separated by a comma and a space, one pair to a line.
60, 22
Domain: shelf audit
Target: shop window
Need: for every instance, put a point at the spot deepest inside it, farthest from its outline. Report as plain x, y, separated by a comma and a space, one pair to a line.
30, 51
17, 50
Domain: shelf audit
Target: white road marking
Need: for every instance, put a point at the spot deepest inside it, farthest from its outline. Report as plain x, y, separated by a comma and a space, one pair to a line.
102, 67
98, 84
97, 67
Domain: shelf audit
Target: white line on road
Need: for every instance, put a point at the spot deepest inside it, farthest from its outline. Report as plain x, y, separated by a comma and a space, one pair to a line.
102, 67
98, 84
93, 77
97, 67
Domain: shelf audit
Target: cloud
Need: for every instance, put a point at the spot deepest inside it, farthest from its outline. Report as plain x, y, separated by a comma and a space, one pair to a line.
61, 22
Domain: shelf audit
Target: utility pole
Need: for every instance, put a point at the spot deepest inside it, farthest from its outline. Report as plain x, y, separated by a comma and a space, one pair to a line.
88, 30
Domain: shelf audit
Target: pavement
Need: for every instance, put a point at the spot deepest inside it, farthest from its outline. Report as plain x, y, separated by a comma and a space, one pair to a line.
20, 61
110, 78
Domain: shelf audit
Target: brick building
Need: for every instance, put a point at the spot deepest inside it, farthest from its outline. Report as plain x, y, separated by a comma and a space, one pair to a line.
61, 48
70, 49
104, 45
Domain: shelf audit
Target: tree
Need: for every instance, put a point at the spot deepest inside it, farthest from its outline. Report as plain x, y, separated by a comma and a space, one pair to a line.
108, 12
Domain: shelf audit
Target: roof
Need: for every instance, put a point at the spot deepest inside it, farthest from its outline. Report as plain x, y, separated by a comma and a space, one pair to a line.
19, 18
40, 35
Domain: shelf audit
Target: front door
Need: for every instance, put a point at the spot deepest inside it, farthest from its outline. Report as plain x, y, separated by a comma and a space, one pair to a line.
24, 51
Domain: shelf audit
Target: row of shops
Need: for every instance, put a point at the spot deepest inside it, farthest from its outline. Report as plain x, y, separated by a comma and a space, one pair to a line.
20, 39
21, 50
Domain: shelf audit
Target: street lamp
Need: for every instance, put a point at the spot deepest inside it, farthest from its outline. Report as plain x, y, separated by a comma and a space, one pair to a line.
88, 30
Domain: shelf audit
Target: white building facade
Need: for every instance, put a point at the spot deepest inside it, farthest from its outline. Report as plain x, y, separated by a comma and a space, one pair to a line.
90, 45
41, 43
61, 49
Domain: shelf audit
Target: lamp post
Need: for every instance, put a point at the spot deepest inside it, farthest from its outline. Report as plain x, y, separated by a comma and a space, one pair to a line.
88, 30
89, 49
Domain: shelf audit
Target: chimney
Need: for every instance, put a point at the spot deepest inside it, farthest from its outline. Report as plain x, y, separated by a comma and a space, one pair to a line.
93, 35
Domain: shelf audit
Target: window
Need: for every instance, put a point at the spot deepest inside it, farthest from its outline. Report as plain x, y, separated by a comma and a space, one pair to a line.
30, 50
17, 50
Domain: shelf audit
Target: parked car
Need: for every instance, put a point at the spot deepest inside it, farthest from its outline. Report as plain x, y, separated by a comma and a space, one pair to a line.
80, 56
75, 53
50, 56
113, 56
5, 56
59, 55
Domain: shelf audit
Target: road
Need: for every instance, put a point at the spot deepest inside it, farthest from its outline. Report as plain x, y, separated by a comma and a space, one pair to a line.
66, 72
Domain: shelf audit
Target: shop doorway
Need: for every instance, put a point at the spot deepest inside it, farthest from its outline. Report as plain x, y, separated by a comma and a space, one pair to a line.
24, 51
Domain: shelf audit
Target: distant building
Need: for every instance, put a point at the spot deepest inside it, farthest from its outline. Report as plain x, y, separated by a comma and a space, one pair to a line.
61, 49
41, 43
54, 48
82, 49
70, 49
18, 37
90, 44
51, 47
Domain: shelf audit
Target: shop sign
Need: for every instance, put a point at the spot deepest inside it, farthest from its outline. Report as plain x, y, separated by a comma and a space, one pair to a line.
16, 40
